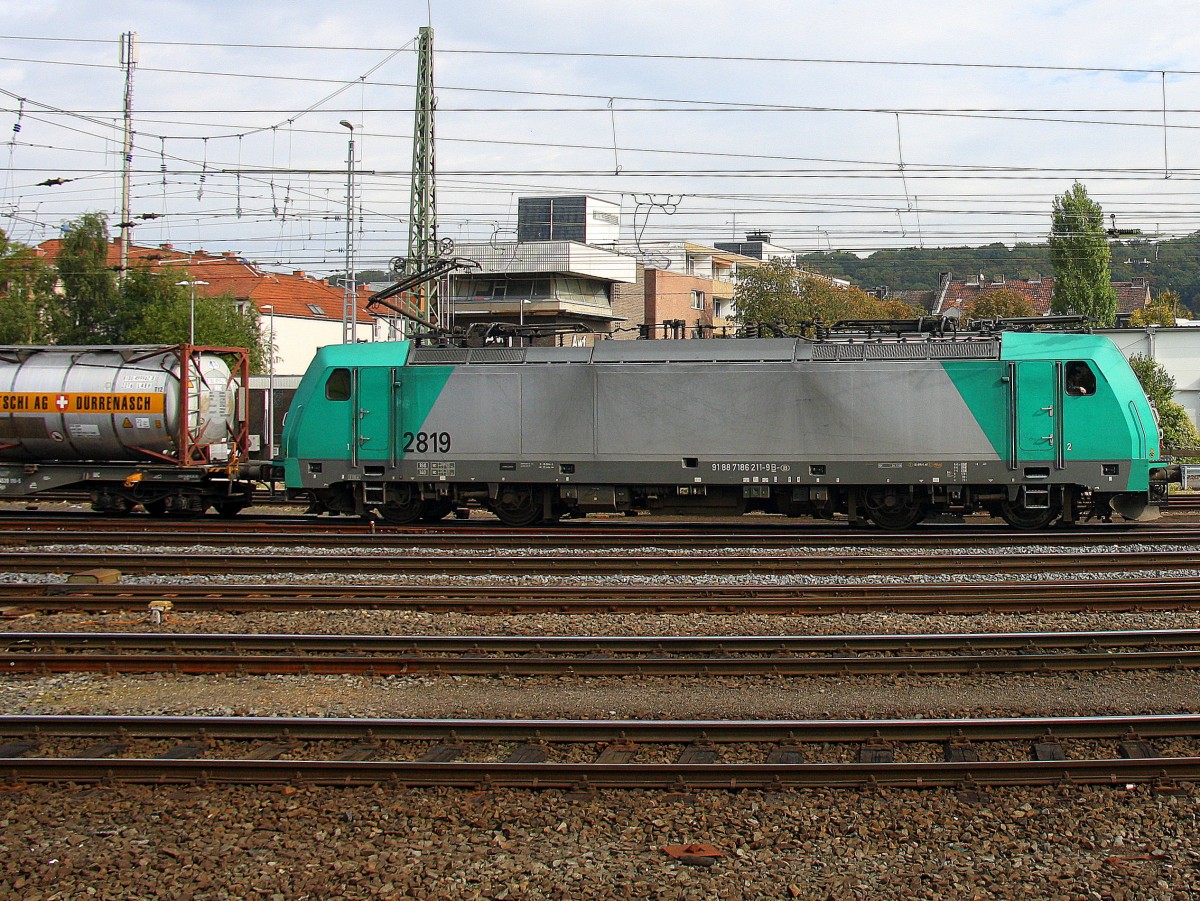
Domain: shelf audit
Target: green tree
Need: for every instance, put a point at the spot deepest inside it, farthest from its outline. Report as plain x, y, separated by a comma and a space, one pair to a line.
166, 315
771, 293
27, 302
780, 294
93, 310
1177, 429
1082, 258
1163, 310
1000, 303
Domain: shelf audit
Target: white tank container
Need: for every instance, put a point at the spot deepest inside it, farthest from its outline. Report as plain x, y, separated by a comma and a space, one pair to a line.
112, 403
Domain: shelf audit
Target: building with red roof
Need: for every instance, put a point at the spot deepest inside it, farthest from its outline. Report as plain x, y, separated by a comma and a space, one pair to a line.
304, 311
957, 293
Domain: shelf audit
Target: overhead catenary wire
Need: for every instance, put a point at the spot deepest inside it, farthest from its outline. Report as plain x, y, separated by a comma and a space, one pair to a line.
256, 183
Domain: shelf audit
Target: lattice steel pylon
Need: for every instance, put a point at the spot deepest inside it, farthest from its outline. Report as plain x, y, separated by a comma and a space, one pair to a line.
422, 221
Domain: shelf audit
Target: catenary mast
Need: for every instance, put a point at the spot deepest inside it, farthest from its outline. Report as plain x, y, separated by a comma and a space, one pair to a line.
422, 222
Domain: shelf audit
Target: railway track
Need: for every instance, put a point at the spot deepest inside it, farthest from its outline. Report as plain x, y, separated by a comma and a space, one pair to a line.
590, 754
325, 534
1146, 594
601, 562
1024, 652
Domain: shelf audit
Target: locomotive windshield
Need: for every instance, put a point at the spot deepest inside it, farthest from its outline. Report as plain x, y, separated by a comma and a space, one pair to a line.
1079, 378
337, 386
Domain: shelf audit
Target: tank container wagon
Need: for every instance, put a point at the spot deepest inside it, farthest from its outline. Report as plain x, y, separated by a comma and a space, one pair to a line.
156, 426
1034, 427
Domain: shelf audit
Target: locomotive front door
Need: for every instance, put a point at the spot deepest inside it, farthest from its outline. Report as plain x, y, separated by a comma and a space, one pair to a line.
374, 410
1038, 415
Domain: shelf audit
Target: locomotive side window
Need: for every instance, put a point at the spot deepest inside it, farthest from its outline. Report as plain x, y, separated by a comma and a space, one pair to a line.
1079, 378
337, 386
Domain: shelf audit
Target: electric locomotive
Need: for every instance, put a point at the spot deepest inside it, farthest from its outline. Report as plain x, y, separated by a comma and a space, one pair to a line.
1034, 427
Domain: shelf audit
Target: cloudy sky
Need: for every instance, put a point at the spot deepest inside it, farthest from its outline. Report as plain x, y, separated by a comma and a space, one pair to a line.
834, 125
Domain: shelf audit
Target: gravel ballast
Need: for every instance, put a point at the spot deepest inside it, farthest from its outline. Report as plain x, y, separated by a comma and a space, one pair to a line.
1056, 844
1062, 842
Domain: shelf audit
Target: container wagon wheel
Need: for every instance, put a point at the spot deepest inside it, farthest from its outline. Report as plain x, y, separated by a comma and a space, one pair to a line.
112, 504
228, 509
519, 505
893, 510
1019, 516
156, 507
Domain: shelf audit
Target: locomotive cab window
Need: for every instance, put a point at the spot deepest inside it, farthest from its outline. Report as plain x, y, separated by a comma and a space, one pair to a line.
1079, 378
337, 386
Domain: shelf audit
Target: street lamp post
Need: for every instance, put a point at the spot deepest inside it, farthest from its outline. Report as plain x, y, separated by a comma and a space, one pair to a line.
521, 316
268, 308
192, 307
349, 295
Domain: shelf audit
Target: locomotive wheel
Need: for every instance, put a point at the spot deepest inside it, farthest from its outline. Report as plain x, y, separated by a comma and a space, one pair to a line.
892, 510
403, 505
1019, 516
519, 505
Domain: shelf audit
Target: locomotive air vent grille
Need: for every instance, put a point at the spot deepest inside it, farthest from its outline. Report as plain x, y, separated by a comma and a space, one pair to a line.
497, 355
824, 351
918, 350
837, 351
439, 355
965, 350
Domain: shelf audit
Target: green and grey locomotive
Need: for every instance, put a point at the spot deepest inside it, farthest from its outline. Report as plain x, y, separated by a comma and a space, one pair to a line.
1035, 427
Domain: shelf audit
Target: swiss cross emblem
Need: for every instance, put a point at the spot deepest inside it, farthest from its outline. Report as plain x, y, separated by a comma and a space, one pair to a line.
61, 402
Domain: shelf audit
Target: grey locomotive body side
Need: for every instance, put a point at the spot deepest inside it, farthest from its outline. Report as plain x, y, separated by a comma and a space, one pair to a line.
885, 430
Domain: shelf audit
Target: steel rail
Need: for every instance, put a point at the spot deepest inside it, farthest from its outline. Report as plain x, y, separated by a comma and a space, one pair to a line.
573, 731
242, 642
264, 664
266, 534
263, 764
386, 655
582, 777
557, 564
1146, 594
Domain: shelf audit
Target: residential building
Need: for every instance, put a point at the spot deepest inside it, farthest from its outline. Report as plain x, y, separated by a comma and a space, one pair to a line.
683, 290
961, 293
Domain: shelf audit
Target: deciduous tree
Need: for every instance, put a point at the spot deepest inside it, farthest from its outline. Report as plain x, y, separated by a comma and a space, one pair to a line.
93, 310
27, 300
1000, 303
166, 315
1163, 310
1082, 259
780, 294
1178, 430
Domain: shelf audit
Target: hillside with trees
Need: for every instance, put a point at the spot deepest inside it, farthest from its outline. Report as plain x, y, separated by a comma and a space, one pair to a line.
1169, 265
